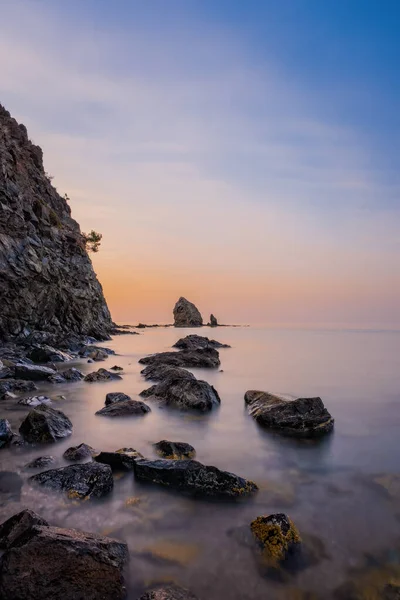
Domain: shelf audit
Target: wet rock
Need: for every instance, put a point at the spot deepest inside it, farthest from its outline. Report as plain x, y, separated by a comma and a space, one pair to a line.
120, 460
6, 434
371, 583
194, 342
193, 477
15, 385
34, 401
33, 372
90, 480
301, 417
168, 592
158, 372
186, 314
101, 375
51, 563
95, 352
277, 538
10, 487
116, 368
40, 462
45, 354
174, 450
71, 374
45, 424
56, 379
213, 321
202, 358
184, 392
125, 408
17, 526
76, 453
116, 397
7, 373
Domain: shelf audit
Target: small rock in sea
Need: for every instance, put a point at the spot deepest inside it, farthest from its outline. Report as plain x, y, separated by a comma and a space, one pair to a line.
186, 314
45, 424
10, 487
9, 396
168, 592
116, 397
71, 374
101, 375
33, 372
301, 417
16, 385
90, 361
34, 400
190, 476
120, 460
184, 392
201, 358
56, 379
158, 372
213, 321
277, 538
52, 563
116, 368
90, 480
194, 342
93, 351
76, 453
6, 434
174, 450
40, 462
127, 407
45, 354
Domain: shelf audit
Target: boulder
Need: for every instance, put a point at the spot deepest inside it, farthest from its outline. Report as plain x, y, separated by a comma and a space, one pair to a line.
34, 400
194, 342
71, 374
120, 460
90, 480
45, 424
101, 375
124, 408
33, 372
17, 526
299, 417
174, 450
6, 434
116, 397
201, 358
51, 563
45, 354
168, 592
116, 368
76, 453
213, 321
95, 351
184, 393
158, 372
192, 477
40, 462
15, 385
186, 314
277, 538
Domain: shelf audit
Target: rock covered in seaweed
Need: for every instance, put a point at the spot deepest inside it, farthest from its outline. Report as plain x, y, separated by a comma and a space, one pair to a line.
186, 314
45, 424
201, 358
277, 537
174, 450
90, 480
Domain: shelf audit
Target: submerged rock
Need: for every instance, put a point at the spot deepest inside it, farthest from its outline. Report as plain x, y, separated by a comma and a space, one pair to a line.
124, 408
194, 342
186, 314
101, 375
44, 354
201, 358
158, 372
33, 372
184, 392
90, 480
10, 486
51, 563
168, 592
174, 450
301, 417
34, 400
40, 462
373, 582
194, 478
6, 433
16, 385
116, 397
76, 453
45, 424
120, 460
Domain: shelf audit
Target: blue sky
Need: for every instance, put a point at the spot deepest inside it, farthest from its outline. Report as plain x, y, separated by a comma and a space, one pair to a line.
262, 137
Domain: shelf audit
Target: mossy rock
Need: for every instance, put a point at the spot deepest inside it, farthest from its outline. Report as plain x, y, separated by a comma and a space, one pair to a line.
277, 536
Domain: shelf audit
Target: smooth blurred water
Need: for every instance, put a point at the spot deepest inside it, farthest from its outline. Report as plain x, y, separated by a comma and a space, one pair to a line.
325, 487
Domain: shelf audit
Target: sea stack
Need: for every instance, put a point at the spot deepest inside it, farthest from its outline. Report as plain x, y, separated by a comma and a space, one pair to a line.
213, 321
186, 314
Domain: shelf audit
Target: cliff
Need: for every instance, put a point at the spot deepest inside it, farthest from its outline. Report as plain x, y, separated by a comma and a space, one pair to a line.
47, 282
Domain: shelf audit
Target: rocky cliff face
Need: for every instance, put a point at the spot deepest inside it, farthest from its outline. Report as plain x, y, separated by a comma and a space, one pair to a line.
47, 282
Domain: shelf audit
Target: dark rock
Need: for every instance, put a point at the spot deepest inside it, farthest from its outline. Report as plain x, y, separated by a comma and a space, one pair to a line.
168, 592
186, 314
277, 538
50, 563
95, 352
101, 375
17, 526
56, 379
202, 358
33, 372
40, 463
125, 408
158, 372
6, 434
76, 453
116, 397
45, 354
116, 368
10, 487
34, 400
90, 480
301, 417
193, 477
184, 393
174, 450
7, 373
120, 460
71, 374
194, 342
213, 321
14, 385
45, 424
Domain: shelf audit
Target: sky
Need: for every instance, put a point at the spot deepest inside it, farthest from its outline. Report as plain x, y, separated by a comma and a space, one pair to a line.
242, 154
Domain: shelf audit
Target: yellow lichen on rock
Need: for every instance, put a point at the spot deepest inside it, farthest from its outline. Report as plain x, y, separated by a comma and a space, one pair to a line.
276, 534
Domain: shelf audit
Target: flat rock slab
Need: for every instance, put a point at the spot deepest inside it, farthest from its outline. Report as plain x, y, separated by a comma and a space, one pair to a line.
33, 372
125, 408
168, 592
51, 563
184, 392
298, 417
194, 478
45, 424
120, 460
90, 480
101, 375
116, 397
76, 453
202, 358
174, 450
194, 342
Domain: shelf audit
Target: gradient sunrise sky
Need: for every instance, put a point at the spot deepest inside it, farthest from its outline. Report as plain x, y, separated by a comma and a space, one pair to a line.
243, 154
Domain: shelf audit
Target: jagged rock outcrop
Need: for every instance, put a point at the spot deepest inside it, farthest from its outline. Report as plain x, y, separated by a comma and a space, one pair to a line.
47, 281
186, 314
213, 321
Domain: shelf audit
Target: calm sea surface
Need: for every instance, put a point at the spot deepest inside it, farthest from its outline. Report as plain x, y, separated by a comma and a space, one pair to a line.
326, 488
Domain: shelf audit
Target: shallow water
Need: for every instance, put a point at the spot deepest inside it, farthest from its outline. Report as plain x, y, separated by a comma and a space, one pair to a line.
326, 487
